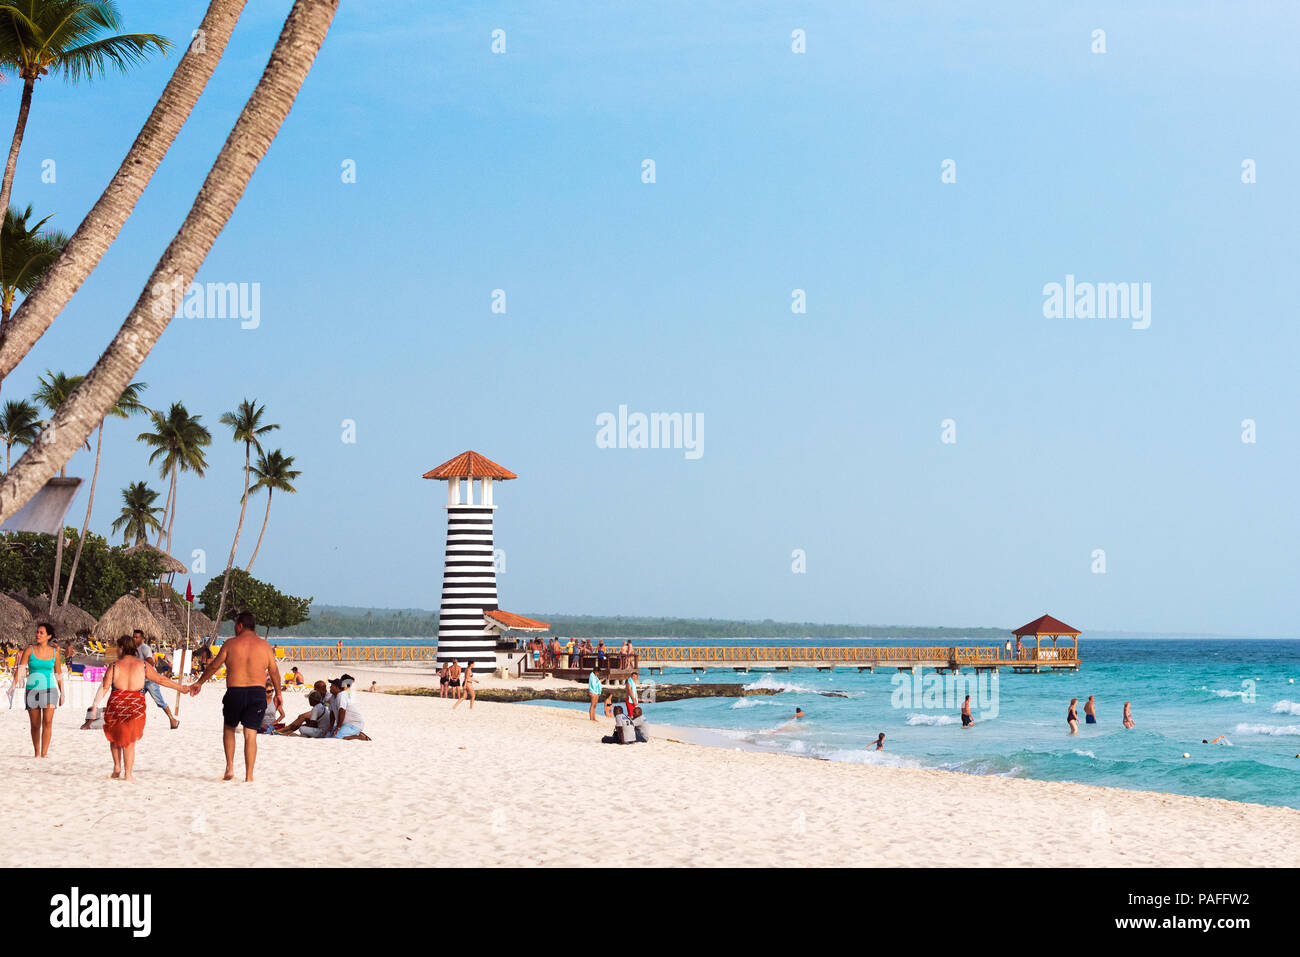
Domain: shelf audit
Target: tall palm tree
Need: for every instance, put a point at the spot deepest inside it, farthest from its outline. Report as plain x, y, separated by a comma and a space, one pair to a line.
53, 391
20, 424
106, 218
275, 474
26, 250
178, 441
128, 405
139, 516
246, 424
260, 120
68, 37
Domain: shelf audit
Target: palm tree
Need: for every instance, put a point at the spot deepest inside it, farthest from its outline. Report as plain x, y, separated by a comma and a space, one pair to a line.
26, 251
246, 424
20, 424
274, 473
106, 218
53, 391
64, 36
138, 517
128, 405
178, 441
260, 120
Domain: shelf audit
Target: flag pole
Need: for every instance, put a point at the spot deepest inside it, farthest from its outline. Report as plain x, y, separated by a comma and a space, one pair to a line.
183, 671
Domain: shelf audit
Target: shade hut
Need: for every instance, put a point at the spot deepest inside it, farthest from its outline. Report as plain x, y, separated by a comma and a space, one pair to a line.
126, 615
17, 626
1048, 627
169, 565
71, 620
34, 606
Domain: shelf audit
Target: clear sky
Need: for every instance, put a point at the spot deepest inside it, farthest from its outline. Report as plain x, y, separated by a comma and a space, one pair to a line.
774, 171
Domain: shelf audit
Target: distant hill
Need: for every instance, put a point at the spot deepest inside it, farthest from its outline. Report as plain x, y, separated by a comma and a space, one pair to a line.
343, 621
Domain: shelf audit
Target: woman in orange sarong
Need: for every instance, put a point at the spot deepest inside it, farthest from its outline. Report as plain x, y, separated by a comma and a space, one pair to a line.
124, 716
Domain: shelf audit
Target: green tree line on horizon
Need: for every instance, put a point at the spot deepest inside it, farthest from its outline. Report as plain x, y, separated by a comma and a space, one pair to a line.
340, 621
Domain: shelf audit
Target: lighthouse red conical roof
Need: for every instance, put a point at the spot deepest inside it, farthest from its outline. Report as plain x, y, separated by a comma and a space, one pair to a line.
470, 465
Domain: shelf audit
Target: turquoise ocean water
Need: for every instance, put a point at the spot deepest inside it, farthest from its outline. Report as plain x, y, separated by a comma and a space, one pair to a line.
1182, 691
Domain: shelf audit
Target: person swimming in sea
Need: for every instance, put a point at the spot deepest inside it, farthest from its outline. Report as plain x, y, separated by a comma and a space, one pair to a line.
799, 713
1222, 737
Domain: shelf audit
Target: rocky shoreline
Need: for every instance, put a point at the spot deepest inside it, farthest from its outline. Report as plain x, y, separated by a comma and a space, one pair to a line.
579, 694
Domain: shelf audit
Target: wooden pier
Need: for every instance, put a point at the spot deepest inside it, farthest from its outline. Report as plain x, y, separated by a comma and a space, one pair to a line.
943, 659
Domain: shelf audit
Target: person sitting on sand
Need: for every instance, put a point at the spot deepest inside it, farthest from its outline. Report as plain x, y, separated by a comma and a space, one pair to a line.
966, 719
314, 723
124, 717
374, 686
348, 723
880, 742
1128, 715
295, 677
1072, 717
274, 713
1089, 711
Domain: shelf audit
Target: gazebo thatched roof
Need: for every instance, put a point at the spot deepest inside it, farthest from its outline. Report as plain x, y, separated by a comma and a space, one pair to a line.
71, 620
34, 606
126, 615
201, 626
17, 626
169, 564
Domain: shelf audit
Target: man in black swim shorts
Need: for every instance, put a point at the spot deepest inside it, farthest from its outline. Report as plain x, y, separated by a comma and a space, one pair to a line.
244, 706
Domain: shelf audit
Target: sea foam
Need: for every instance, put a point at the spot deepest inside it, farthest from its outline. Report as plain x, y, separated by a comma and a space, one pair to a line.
1270, 729
1286, 707
931, 719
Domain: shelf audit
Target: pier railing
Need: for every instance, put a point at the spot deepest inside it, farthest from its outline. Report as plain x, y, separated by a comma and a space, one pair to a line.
358, 653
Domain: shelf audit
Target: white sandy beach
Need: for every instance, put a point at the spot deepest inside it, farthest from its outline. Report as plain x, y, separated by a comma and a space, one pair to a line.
509, 785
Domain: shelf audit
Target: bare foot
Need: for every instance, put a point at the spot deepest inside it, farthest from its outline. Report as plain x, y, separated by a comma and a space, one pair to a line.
248, 779
117, 773
176, 723
128, 777
229, 775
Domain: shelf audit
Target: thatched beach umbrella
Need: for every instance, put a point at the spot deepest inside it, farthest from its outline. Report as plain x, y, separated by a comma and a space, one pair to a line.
126, 615
169, 565
70, 620
201, 627
17, 626
34, 606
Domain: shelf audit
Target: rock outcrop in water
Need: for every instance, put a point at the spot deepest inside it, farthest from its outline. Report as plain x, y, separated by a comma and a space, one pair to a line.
579, 694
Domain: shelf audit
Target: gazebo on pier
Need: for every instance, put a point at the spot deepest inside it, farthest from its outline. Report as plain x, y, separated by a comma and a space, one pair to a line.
1039, 658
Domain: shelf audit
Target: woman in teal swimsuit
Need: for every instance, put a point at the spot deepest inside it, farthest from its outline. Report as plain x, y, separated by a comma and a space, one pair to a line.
42, 665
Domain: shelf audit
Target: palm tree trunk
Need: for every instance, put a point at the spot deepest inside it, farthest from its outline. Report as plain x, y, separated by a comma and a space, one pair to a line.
167, 506
260, 120
24, 106
243, 507
85, 525
105, 220
258, 547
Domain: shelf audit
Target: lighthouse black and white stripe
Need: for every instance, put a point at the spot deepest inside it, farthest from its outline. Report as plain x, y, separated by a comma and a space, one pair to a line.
469, 587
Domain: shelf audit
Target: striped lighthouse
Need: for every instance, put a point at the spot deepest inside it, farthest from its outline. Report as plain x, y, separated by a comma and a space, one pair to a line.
470, 623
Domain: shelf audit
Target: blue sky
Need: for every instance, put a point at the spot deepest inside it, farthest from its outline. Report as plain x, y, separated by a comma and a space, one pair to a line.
775, 171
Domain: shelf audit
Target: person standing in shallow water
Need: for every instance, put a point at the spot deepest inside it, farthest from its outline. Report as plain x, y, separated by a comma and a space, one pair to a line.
594, 689
966, 719
1128, 714
1090, 711
41, 664
1072, 717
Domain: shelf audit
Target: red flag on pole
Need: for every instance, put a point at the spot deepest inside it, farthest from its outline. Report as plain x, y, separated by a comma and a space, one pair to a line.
189, 592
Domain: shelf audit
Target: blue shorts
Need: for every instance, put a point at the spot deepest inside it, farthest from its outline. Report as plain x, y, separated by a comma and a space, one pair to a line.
154, 690
1089, 719
346, 731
